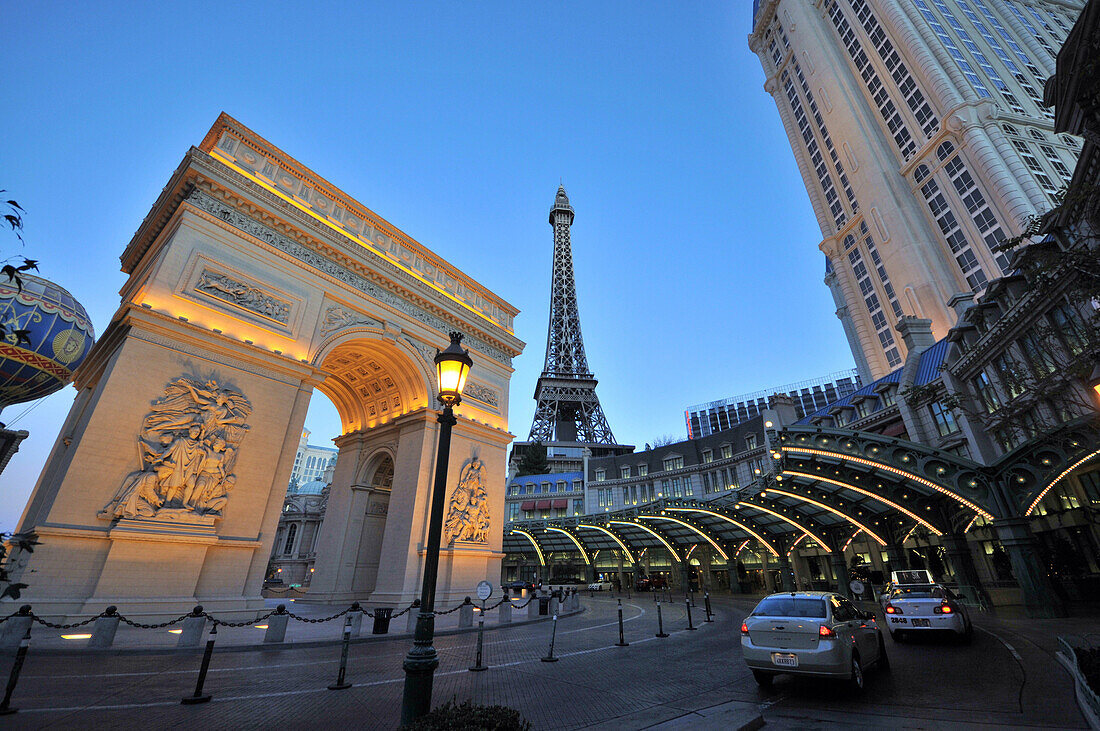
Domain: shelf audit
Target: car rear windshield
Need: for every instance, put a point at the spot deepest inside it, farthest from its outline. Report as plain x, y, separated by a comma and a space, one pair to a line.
919, 592
787, 606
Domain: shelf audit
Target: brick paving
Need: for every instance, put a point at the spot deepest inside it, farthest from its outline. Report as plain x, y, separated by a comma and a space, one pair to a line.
687, 680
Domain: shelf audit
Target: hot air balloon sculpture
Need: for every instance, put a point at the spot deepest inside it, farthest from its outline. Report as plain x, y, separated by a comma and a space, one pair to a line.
46, 335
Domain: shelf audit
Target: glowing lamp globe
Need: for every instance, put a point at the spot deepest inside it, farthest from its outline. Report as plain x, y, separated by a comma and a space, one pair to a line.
57, 336
452, 367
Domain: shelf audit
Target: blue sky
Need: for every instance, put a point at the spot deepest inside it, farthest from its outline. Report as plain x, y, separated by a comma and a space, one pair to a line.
694, 244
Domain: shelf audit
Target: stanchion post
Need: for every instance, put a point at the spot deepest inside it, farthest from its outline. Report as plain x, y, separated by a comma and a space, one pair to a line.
687, 604
660, 623
198, 696
340, 683
706, 605
622, 640
20, 656
478, 667
553, 633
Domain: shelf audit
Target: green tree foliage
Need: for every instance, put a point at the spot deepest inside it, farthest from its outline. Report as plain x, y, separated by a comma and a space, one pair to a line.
533, 461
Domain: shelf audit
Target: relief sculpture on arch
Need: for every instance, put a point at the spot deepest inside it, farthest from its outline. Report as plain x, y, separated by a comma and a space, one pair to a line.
188, 448
468, 509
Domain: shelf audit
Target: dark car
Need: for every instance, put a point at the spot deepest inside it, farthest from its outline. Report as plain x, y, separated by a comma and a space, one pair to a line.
518, 585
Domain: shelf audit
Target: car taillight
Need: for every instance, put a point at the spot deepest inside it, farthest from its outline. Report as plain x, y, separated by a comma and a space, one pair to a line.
891, 609
944, 608
744, 628
824, 631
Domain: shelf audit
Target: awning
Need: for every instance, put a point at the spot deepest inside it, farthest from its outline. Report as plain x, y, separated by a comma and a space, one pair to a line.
543, 505
527, 505
561, 502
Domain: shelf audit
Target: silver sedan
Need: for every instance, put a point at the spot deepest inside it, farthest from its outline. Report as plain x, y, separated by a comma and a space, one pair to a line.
811, 633
918, 609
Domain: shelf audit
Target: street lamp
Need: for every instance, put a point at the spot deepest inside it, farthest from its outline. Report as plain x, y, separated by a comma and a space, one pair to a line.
452, 367
1094, 379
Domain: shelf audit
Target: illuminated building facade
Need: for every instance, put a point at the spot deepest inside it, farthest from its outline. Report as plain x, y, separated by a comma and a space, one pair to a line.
923, 141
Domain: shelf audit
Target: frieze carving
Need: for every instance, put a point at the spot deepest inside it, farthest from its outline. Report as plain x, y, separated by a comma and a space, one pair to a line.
337, 318
468, 511
427, 352
238, 220
243, 295
484, 394
188, 446
356, 224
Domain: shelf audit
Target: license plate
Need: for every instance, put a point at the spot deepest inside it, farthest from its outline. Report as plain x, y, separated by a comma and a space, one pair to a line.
920, 623
785, 660
899, 620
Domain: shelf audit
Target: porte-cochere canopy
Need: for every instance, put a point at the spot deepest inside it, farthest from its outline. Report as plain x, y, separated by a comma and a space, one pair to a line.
829, 485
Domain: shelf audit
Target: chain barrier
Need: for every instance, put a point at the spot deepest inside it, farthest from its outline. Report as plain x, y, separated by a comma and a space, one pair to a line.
51, 625
292, 615
406, 610
161, 625
246, 623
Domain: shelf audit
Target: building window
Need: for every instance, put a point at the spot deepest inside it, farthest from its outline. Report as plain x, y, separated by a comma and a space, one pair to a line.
578, 507
577, 486
664, 489
1068, 322
750, 441
727, 451
676, 489
943, 418
601, 475
889, 397
513, 511
986, 394
673, 463
863, 408
291, 533
708, 456
1038, 357
1009, 374
1030, 423
624, 471
643, 470
1091, 482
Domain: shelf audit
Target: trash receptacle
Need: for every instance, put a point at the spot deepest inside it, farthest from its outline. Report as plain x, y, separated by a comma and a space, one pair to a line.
382, 620
544, 605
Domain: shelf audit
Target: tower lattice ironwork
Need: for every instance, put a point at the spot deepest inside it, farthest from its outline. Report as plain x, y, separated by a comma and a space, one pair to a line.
568, 409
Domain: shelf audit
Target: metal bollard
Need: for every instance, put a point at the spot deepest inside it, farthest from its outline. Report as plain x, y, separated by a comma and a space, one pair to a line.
691, 593
20, 656
687, 603
276, 625
622, 641
466, 614
193, 626
553, 633
198, 696
104, 629
356, 614
478, 667
505, 612
706, 605
12, 631
340, 683
410, 623
660, 623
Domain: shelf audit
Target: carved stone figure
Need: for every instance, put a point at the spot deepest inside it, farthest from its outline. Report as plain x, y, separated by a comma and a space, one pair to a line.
243, 295
468, 512
188, 448
337, 318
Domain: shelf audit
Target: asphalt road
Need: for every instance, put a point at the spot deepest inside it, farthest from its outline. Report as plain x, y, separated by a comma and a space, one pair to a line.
1006, 678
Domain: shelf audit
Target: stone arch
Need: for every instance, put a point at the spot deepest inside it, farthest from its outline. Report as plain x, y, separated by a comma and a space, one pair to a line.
372, 379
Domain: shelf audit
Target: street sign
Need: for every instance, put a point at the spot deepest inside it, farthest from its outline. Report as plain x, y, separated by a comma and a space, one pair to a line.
484, 590
856, 586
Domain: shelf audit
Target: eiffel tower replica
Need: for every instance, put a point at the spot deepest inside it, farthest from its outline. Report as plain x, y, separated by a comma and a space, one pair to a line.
568, 418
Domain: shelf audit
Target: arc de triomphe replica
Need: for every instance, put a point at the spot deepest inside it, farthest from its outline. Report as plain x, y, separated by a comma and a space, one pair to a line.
253, 281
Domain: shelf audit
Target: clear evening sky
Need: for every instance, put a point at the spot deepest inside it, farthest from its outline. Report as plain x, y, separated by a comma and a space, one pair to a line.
695, 247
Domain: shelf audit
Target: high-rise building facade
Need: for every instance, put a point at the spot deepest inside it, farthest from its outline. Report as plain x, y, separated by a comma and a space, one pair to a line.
921, 135
807, 396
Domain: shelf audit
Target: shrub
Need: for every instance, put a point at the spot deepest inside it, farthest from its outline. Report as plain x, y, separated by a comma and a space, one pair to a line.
451, 716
